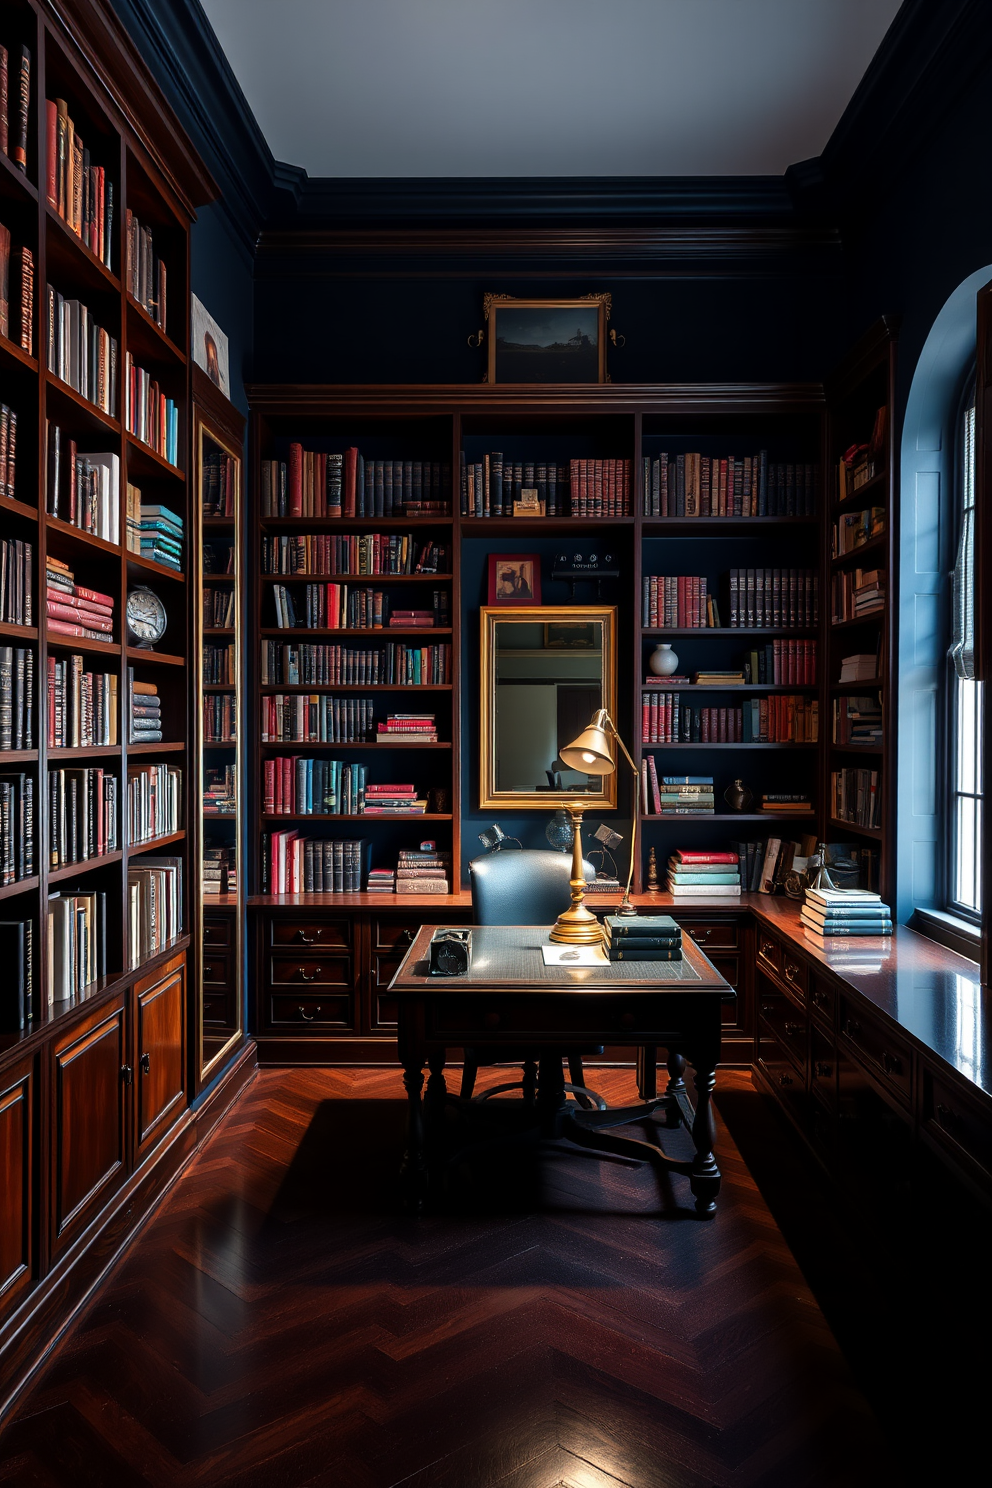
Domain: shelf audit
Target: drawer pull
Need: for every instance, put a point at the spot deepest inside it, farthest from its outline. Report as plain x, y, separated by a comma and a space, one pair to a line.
852, 1028
701, 934
822, 1069
791, 971
819, 1001
307, 939
127, 1074
406, 937
767, 948
792, 1029
785, 1080
891, 1063
947, 1118
627, 1020
767, 1008
307, 1017
146, 1062
302, 973
491, 1020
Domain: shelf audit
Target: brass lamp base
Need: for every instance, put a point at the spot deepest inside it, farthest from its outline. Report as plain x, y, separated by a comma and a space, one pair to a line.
577, 925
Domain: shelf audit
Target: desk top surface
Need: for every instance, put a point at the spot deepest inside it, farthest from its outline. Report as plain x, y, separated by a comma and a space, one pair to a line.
509, 956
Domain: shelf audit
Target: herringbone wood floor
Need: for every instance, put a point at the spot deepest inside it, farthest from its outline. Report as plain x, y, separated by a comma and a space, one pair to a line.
280, 1324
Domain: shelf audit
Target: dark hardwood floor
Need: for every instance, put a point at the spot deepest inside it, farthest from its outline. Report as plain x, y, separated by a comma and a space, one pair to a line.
280, 1324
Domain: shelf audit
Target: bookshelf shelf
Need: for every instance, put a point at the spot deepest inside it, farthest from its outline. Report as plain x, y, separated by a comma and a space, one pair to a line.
59, 391
848, 826
17, 181
351, 524
154, 658
318, 687
728, 526
722, 631
736, 816
76, 534
722, 745
362, 635
858, 748
543, 526
878, 545
361, 816
732, 687
873, 617
147, 338
871, 684
20, 886
343, 578
298, 744
69, 255
87, 865
81, 643
143, 459
176, 747
19, 632
149, 566
877, 484
10, 349
152, 844
85, 751
18, 757
18, 508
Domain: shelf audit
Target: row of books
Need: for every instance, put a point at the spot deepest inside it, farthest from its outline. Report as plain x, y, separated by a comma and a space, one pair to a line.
81, 192
154, 531
315, 484
15, 103
675, 795
423, 870
218, 483
855, 797
82, 815
17, 986
395, 665
82, 704
77, 942
154, 801
295, 786
74, 610
782, 598
681, 601
857, 594
155, 905
860, 463
375, 553
16, 581
16, 698
23, 258
219, 606
695, 485
8, 451
292, 864
217, 557
144, 711
343, 607
668, 718
492, 487
782, 663
220, 718
146, 273
853, 529
220, 791
82, 489
828, 914
219, 665
299, 718
149, 414
17, 827
765, 865
81, 352
857, 719
219, 873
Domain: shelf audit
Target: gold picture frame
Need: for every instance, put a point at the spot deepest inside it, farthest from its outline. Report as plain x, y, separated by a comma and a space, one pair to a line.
546, 341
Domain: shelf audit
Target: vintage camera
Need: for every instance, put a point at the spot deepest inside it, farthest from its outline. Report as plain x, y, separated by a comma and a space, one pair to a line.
449, 953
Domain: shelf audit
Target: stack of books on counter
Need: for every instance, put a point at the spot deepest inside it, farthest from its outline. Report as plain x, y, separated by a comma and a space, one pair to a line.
829, 915
73, 610
407, 728
642, 938
393, 800
604, 884
423, 871
704, 875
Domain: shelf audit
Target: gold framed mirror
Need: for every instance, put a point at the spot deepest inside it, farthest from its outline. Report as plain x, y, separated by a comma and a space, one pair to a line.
545, 670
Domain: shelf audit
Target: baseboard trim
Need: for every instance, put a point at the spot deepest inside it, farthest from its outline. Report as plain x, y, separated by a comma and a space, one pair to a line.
33, 1333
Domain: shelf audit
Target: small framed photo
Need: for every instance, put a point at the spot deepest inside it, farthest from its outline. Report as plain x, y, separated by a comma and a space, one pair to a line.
548, 341
210, 349
570, 636
514, 579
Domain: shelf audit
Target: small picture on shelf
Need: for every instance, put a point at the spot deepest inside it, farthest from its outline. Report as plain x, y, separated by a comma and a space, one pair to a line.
514, 579
550, 341
210, 349
567, 635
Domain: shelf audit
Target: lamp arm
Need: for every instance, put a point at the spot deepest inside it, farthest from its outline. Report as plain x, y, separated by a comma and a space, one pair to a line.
625, 904
625, 750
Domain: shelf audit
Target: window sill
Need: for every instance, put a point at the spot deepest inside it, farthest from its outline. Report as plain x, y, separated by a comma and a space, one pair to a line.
949, 930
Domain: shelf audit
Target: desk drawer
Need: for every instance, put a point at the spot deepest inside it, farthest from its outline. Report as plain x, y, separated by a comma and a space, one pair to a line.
301, 971
216, 971
821, 1000
593, 1019
782, 1018
957, 1125
217, 930
321, 933
879, 1048
708, 933
822, 1067
776, 1064
769, 952
794, 973
310, 1010
394, 935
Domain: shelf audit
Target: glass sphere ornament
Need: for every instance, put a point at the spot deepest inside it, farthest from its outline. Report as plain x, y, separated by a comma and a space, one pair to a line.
663, 661
559, 831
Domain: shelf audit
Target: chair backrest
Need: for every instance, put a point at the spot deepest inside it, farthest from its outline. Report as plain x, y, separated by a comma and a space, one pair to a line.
522, 887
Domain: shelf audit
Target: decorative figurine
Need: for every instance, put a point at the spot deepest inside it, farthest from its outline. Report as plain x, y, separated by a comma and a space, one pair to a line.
817, 873
652, 869
737, 796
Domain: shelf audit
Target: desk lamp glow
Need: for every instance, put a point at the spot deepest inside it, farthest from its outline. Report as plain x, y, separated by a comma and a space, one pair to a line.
592, 754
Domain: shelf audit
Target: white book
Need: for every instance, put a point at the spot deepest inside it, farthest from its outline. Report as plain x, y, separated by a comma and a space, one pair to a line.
839, 897
704, 891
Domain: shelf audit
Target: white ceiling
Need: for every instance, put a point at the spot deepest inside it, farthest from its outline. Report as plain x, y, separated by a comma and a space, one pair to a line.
548, 87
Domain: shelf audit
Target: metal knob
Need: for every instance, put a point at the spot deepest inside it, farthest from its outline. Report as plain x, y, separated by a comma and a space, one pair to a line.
127, 1074
307, 1017
146, 1062
302, 973
308, 939
785, 1080
891, 1063
791, 971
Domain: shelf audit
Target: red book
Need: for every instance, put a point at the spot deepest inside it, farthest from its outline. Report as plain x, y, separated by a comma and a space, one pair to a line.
705, 857
295, 476
76, 617
269, 798
350, 480
62, 627
51, 126
655, 789
645, 718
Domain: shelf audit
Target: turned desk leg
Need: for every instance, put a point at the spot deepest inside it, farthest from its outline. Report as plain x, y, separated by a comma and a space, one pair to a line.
414, 1169
675, 1089
647, 1071
705, 1177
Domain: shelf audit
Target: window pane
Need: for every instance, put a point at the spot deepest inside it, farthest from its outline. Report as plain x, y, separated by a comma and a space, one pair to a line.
966, 784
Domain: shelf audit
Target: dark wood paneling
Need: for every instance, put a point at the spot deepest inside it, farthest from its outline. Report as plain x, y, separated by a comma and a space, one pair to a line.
90, 1072
161, 1024
17, 1144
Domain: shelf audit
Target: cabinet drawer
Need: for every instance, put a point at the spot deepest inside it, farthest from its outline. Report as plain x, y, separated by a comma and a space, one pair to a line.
820, 1000
218, 930
218, 1008
788, 1024
323, 933
887, 1054
393, 935
794, 973
957, 1125
822, 1067
710, 933
302, 1010
216, 971
593, 1019
769, 952
778, 1069
286, 970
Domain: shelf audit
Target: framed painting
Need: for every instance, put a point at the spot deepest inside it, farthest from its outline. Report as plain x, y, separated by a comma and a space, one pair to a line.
547, 341
514, 579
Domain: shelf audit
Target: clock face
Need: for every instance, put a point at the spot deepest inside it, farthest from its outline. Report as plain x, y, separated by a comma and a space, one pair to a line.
145, 616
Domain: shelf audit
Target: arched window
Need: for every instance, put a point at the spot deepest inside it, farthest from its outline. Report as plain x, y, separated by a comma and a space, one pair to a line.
965, 797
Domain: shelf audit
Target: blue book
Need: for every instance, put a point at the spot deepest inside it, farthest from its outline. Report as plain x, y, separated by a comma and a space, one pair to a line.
687, 780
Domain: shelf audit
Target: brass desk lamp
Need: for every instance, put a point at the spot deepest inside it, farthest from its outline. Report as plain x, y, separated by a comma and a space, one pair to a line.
592, 753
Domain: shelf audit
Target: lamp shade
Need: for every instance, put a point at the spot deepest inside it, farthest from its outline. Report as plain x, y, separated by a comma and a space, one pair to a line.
592, 752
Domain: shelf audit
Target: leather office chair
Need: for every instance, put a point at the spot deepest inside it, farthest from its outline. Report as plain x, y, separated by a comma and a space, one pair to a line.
523, 888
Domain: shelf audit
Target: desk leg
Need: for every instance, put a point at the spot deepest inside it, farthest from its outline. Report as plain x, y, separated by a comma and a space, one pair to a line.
679, 1110
704, 1179
414, 1169
647, 1071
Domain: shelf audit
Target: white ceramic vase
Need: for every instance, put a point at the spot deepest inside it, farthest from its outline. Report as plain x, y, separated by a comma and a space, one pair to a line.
663, 661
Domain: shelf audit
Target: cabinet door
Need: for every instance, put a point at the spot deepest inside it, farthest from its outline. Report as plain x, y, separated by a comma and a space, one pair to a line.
161, 1086
16, 1183
90, 1071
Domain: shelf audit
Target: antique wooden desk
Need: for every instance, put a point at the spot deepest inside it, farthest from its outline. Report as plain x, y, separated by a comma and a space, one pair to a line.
509, 997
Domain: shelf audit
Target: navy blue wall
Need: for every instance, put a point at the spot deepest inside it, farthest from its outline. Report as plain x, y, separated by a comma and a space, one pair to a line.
221, 278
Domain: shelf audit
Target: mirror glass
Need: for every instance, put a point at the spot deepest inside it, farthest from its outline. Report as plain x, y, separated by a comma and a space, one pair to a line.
546, 671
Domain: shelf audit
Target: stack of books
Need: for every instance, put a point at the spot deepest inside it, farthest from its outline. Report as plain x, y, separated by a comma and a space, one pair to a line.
219, 791
719, 679
73, 610
160, 533
686, 795
676, 679
420, 619
863, 667
146, 711
642, 938
407, 728
423, 871
603, 884
394, 800
858, 720
785, 803
154, 894
853, 595
382, 881
828, 914
704, 875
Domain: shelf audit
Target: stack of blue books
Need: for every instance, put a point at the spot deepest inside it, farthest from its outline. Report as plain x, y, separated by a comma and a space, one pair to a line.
161, 536
828, 914
642, 938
